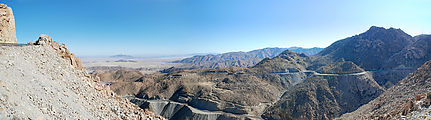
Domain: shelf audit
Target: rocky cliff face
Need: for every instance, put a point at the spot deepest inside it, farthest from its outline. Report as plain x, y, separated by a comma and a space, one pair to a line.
7, 28
399, 100
45, 81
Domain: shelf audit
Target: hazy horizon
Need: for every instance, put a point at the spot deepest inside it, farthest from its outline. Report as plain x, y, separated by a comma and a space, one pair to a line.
169, 27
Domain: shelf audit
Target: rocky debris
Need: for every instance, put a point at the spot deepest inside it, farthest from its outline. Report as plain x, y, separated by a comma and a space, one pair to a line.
7, 28
399, 100
420, 109
45, 81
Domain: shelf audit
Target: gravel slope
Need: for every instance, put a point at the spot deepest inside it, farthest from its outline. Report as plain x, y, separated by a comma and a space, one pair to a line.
37, 82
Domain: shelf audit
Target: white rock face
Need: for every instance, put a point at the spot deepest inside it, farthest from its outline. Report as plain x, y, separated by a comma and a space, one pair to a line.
7, 28
36, 82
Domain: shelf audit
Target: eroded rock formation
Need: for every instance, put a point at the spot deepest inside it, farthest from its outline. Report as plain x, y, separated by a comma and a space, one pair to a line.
61, 50
7, 28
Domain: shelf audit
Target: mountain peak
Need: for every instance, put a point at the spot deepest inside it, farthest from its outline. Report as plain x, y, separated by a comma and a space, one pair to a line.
287, 52
381, 30
376, 28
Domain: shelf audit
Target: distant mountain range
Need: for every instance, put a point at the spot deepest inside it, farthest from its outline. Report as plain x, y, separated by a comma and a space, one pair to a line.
122, 56
240, 59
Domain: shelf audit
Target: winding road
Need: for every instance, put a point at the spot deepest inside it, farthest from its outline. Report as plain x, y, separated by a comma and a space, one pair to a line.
329, 74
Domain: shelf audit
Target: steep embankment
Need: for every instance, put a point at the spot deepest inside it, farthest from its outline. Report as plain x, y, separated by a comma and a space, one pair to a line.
399, 99
46, 81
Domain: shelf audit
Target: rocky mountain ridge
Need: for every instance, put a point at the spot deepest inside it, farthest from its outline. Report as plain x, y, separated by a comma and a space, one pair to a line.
390, 53
240, 59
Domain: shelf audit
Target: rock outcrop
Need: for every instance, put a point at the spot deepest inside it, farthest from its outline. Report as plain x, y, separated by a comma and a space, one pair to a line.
61, 50
7, 28
45, 81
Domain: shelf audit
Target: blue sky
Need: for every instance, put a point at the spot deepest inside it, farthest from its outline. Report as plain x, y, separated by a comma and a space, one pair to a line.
167, 27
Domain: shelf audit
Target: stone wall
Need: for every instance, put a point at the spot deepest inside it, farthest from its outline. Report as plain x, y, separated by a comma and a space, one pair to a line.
7, 28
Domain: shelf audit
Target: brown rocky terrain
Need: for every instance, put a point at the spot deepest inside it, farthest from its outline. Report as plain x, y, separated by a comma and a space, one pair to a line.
399, 100
338, 80
249, 91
